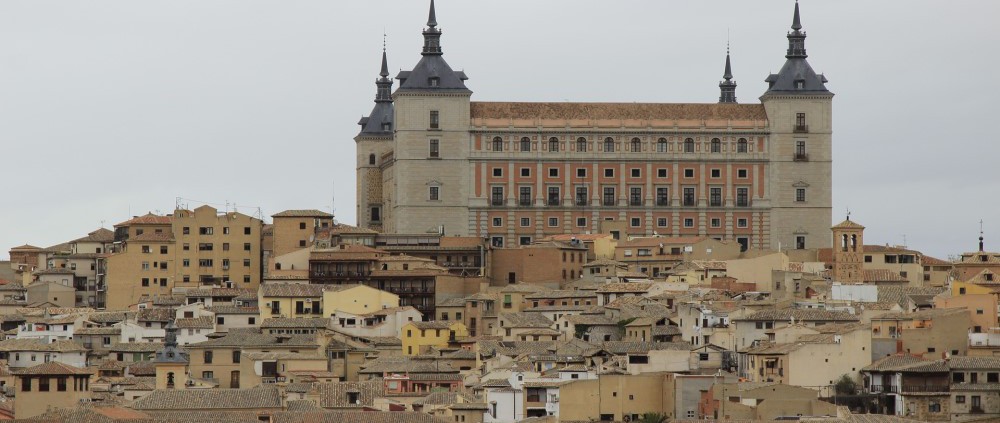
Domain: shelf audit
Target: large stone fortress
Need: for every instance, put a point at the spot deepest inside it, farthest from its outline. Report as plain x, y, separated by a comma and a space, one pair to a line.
430, 159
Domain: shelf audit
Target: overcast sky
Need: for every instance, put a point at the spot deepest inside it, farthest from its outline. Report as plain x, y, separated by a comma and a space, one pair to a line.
112, 108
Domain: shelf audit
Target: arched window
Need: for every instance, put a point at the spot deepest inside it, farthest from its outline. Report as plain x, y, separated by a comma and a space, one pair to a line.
716, 145
609, 144
497, 144
636, 145
854, 242
525, 144
741, 145
371, 159
661, 145
553, 144
689, 145
581, 144
170, 380
843, 243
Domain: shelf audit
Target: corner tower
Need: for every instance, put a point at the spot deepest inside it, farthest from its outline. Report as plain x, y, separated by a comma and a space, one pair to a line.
430, 171
373, 143
799, 110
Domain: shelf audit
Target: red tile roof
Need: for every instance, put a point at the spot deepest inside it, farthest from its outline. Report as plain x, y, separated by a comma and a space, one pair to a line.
147, 219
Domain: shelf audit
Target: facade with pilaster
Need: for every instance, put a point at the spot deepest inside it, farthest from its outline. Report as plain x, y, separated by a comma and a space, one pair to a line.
432, 160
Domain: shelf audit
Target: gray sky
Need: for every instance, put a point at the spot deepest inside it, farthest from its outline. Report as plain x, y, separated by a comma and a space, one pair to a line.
113, 106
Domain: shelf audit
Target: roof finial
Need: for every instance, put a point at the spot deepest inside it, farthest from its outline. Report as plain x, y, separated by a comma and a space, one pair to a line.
981, 235
727, 87
848, 213
729, 69
796, 22
385, 63
432, 17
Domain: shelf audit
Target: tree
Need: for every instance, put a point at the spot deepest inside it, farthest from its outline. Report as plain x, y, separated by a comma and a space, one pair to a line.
846, 386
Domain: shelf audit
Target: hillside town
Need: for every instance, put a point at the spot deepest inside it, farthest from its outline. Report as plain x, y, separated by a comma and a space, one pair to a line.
518, 262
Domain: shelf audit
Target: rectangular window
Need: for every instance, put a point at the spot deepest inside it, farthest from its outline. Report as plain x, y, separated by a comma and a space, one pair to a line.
524, 240
208, 357
609, 173
497, 221
635, 222
435, 120
581, 196
742, 197
688, 222
434, 193
553, 222
236, 357
524, 196
553, 198
581, 222
246, 230
434, 149
635, 196
741, 173
715, 197
800, 151
661, 222
206, 230
689, 197
609, 196
525, 222
661, 173
246, 262
246, 246
662, 196
496, 196
145, 281
525, 172
553, 172
689, 173
800, 195
636, 172
800, 242
716, 173
497, 172
581, 172
800, 123
163, 249
716, 222
741, 223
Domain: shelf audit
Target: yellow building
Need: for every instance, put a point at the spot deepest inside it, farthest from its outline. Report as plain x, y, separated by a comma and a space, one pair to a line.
155, 254
273, 367
357, 299
290, 300
48, 386
418, 335
296, 229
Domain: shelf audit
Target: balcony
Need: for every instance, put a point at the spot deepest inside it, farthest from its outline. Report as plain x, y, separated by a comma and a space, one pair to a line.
581, 201
497, 201
801, 157
552, 202
524, 202
800, 129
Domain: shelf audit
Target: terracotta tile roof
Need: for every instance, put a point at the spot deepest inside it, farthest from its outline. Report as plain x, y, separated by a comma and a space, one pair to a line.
262, 396
253, 339
848, 224
905, 362
406, 364
147, 219
300, 290
452, 302
882, 275
933, 261
229, 309
899, 294
302, 405
139, 347
626, 347
625, 287
799, 315
354, 417
25, 247
110, 330
100, 235
335, 394
52, 368
525, 320
343, 229
154, 315
303, 213
436, 324
16, 345
921, 314
203, 322
973, 363
627, 111
560, 293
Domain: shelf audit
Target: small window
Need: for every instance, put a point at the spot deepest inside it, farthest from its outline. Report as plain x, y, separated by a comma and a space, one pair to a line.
741, 222
434, 193
716, 173
525, 222
581, 172
609, 173
497, 221
435, 122
497, 172
525, 172
553, 172
553, 222
800, 195
661, 173
716, 222
435, 151
689, 173
581, 222
688, 222
635, 222
636, 172
741, 173
661, 222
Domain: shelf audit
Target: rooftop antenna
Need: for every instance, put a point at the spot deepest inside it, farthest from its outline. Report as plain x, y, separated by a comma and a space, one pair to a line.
981, 235
904, 240
102, 223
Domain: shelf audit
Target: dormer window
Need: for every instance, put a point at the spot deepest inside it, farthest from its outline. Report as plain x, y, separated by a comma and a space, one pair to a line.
800, 84
386, 126
433, 81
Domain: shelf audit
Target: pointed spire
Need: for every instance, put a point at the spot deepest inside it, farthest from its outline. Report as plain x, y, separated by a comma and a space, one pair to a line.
981, 249
385, 65
796, 38
432, 17
796, 22
728, 86
432, 35
384, 84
